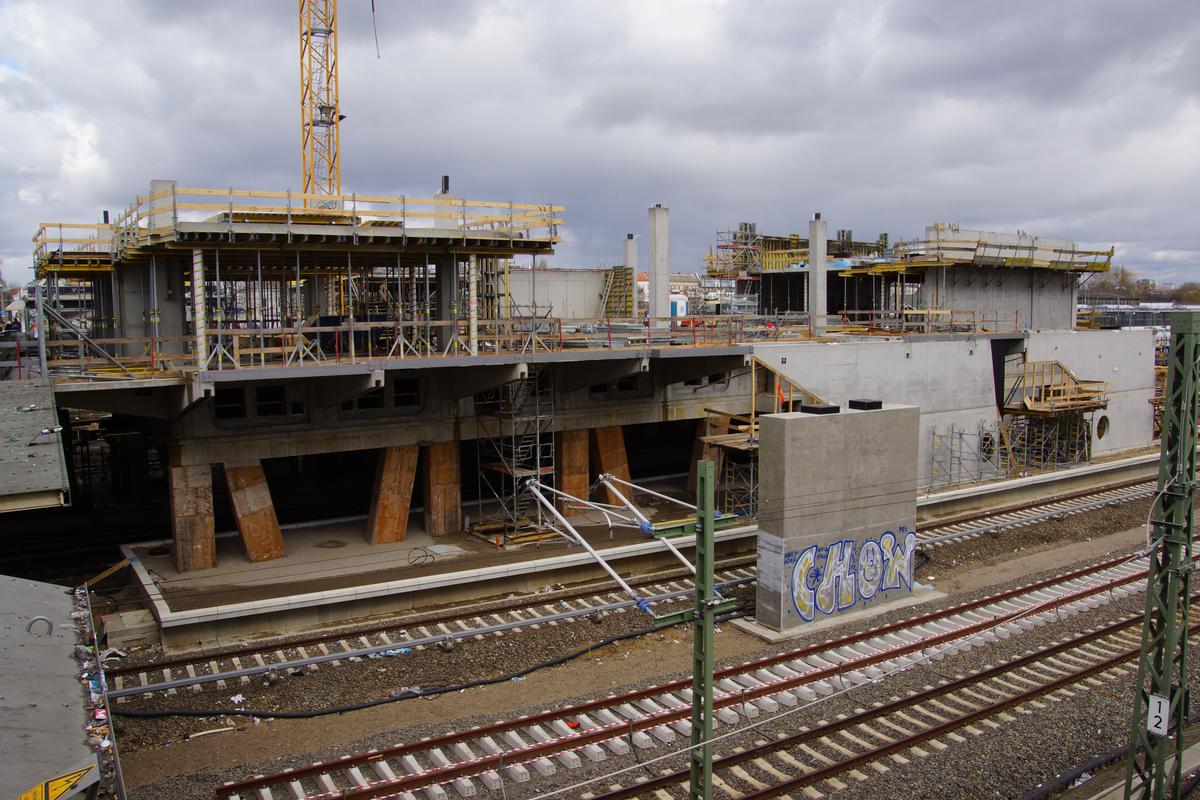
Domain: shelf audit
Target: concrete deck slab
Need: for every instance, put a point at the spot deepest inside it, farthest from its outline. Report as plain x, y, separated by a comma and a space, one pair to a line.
333, 575
42, 713
33, 472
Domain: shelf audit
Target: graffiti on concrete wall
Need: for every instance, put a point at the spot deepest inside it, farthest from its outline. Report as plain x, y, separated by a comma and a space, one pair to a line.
835, 577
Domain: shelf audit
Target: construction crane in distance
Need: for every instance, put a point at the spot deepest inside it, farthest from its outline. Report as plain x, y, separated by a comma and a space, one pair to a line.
320, 113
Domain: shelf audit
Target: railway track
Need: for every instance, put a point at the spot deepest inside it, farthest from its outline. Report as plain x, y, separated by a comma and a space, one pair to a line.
817, 758
541, 743
1061, 508
219, 668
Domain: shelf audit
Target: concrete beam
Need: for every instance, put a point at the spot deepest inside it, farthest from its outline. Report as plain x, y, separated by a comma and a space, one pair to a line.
330, 392
677, 370
254, 511
443, 489
569, 377
192, 526
392, 496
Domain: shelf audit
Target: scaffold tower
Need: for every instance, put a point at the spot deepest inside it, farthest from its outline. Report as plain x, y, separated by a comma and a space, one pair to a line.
516, 442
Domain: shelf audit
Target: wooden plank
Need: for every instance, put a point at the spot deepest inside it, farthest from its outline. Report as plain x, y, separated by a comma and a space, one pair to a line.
254, 511
192, 526
392, 496
571, 464
443, 489
608, 453
698, 448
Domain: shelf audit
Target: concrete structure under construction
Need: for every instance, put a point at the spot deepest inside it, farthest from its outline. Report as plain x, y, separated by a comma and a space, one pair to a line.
407, 366
835, 533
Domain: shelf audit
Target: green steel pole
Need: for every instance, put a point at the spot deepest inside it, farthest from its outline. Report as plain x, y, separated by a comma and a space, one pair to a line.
700, 782
1161, 698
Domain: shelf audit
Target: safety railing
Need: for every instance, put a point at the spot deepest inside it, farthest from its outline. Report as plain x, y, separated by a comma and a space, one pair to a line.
1029, 253
355, 342
929, 321
74, 246
1049, 387
161, 213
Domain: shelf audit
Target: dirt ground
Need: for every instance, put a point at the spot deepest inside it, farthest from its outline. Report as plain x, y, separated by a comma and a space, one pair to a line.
644, 660
615, 667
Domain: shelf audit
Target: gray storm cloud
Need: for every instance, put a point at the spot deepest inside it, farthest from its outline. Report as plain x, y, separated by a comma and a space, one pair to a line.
1078, 119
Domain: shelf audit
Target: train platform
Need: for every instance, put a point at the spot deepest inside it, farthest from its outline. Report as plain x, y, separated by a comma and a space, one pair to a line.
332, 575
43, 701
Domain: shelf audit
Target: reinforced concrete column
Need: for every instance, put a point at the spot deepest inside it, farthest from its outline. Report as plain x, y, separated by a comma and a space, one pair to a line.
443, 489
199, 308
392, 496
659, 295
817, 266
473, 306
192, 528
254, 511
608, 452
447, 291
631, 259
571, 463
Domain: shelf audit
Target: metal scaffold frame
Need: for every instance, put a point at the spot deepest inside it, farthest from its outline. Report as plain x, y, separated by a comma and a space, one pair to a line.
516, 444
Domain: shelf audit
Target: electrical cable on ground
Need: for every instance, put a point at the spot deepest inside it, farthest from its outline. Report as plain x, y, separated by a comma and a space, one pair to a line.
432, 691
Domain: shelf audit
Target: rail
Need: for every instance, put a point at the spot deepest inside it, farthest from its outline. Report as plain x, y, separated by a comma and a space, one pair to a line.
929, 321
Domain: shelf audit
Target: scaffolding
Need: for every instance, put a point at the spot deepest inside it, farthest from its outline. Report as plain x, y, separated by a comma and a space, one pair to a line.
516, 443
732, 442
959, 456
1047, 416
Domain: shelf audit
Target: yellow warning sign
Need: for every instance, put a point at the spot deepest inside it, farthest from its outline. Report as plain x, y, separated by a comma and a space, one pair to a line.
59, 786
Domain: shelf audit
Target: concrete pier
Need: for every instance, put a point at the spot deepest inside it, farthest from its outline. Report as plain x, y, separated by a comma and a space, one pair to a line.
659, 297
837, 517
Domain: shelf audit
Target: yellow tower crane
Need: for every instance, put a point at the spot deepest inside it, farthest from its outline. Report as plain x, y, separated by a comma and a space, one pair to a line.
320, 115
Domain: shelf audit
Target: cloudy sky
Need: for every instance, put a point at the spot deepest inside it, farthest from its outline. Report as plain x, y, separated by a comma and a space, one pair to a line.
1068, 118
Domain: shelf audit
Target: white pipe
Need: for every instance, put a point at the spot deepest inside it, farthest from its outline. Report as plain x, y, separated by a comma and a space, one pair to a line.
604, 508
647, 526
608, 476
642, 603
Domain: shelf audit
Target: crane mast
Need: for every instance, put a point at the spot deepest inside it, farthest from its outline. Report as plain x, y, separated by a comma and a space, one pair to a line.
320, 114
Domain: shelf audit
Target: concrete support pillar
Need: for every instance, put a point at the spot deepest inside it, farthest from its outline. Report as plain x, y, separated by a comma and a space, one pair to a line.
571, 463
659, 295
162, 207
817, 266
254, 511
199, 309
192, 527
631, 259
608, 453
392, 497
473, 306
443, 489
447, 295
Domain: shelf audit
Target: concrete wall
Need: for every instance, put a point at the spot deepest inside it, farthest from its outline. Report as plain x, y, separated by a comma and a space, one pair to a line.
951, 381
836, 533
568, 293
1041, 300
1124, 358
